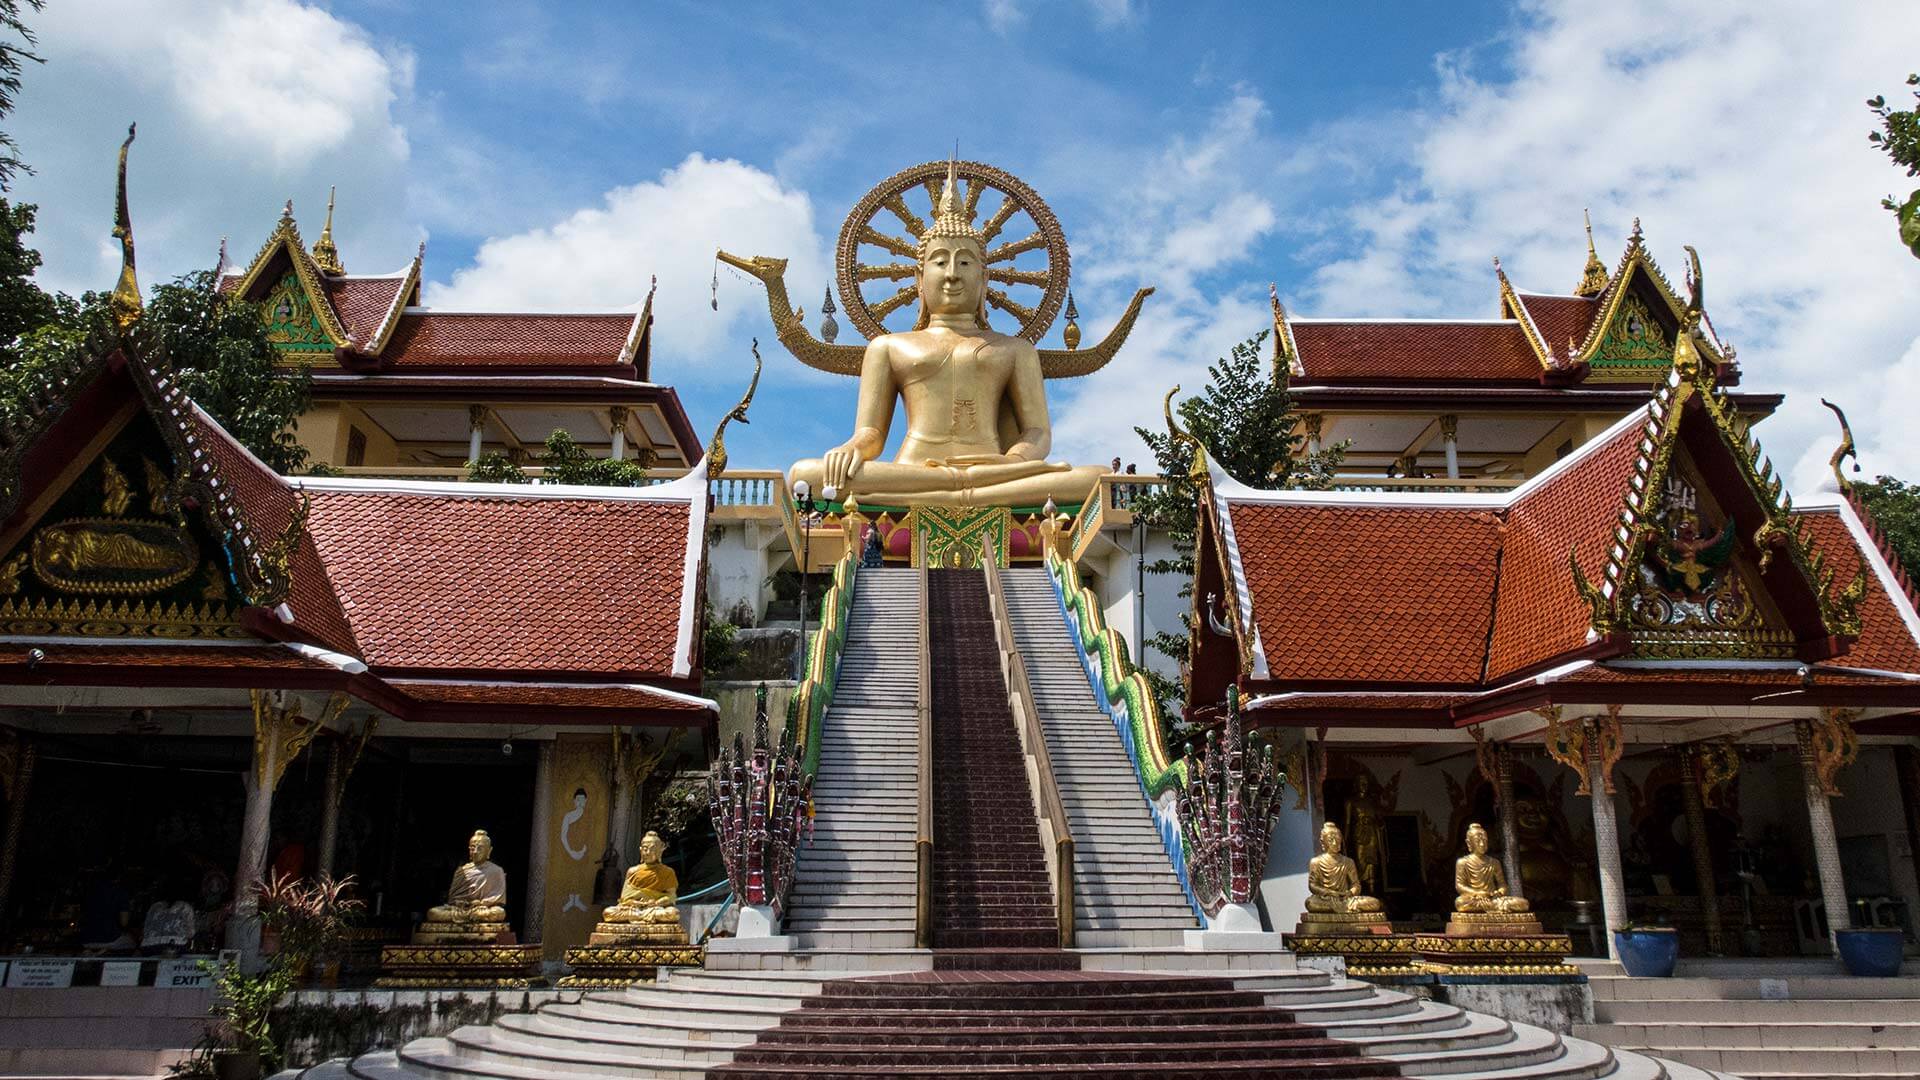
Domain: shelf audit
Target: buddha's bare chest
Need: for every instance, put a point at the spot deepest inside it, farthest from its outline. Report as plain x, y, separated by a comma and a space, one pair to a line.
940, 363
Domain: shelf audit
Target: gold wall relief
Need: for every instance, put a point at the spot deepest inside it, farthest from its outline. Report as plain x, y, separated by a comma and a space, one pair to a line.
1835, 746
113, 556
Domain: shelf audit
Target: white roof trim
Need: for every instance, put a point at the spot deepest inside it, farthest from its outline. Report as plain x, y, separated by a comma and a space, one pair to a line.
630, 309
389, 380
1556, 295
1410, 322
670, 695
349, 664
111, 643
671, 491
1243, 600
1869, 551
693, 487
1542, 679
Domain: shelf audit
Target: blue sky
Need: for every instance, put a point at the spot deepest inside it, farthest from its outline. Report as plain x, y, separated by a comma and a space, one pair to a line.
1369, 159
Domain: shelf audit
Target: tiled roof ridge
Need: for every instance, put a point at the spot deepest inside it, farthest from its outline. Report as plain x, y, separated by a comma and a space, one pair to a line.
1510, 302
1901, 575
409, 284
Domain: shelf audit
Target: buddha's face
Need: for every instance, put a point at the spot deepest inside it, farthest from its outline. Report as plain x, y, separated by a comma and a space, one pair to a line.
953, 276
1477, 840
1330, 840
652, 847
479, 847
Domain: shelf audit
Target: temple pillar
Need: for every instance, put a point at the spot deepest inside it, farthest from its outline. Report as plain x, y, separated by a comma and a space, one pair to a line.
18, 778
1314, 421
1509, 828
533, 922
476, 428
1826, 845
1702, 852
1606, 841
617, 416
1450, 438
330, 811
279, 735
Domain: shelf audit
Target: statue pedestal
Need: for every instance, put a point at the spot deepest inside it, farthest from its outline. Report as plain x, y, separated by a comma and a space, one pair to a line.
463, 933
609, 967
629, 933
1365, 940
1492, 943
1328, 923
489, 967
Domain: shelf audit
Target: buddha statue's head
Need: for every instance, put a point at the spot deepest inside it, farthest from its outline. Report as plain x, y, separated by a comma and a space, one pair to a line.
953, 263
1330, 838
1477, 839
652, 847
479, 846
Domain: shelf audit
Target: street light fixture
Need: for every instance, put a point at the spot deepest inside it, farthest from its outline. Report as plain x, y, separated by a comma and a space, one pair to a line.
804, 502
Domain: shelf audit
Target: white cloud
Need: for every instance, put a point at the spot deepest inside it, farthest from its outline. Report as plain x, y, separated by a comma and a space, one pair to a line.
602, 256
1004, 15
240, 106
1738, 129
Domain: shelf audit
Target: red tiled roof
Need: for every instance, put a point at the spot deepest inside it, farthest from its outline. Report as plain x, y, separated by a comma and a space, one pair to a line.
1559, 318
1414, 351
1369, 592
251, 657
362, 303
1540, 615
460, 339
1885, 642
535, 695
449, 581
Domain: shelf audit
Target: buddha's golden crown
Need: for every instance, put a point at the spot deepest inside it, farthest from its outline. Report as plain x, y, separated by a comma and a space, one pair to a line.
950, 218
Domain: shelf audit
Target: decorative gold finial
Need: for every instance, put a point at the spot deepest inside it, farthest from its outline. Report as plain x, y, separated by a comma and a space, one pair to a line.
1071, 335
1180, 435
286, 212
1844, 451
124, 302
1594, 279
717, 448
950, 217
325, 255
1686, 354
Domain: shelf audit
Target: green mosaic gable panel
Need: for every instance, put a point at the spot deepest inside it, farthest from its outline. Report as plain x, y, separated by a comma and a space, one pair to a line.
292, 326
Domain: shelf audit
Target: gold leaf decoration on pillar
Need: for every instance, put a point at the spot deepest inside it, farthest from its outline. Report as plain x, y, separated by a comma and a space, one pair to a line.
280, 733
1716, 764
1835, 746
1607, 744
1566, 744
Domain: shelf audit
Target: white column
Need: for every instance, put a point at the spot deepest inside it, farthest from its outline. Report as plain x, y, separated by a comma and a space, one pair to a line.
1509, 829
476, 427
618, 416
1450, 433
243, 929
534, 921
1606, 846
1826, 846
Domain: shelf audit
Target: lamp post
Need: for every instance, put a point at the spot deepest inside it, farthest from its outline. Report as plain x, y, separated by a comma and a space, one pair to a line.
804, 502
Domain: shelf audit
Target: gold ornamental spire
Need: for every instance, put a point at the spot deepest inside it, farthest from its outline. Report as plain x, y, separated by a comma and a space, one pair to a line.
1593, 280
124, 302
325, 255
950, 218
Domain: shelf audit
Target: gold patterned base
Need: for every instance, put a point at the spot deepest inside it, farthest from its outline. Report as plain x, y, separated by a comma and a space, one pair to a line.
1493, 954
499, 967
1316, 923
609, 967
637, 934
1492, 923
463, 933
1365, 953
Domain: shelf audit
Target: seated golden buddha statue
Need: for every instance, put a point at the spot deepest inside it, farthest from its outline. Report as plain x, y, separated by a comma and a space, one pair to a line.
1480, 890
1333, 890
647, 910
475, 911
976, 403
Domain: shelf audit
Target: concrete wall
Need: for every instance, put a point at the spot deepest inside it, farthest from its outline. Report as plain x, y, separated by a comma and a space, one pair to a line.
738, 565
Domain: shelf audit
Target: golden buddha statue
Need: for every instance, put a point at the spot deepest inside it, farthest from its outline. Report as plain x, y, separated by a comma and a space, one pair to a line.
1333, 882
647, 911
1480, 892
475, 911
978, 433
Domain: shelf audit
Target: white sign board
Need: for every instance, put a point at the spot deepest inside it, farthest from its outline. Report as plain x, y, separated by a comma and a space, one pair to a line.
40, 974
181, 975
120, 973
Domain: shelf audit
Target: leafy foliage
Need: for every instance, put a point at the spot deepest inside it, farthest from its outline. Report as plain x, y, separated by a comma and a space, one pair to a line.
311, 917
565, 462
720, 648
24, 306
13, 58
1895, 506
1899, 139
1245, 419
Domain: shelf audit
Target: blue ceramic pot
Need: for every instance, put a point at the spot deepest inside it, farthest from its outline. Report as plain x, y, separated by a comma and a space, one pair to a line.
1648, 954
1874, 953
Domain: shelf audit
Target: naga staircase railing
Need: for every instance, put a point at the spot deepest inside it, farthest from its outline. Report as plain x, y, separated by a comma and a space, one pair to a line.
1227, 811
1056, 833
923, 838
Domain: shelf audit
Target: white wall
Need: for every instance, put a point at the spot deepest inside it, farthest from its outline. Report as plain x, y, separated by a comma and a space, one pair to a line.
738, 565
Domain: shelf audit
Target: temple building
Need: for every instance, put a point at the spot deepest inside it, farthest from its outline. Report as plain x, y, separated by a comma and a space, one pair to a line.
405, 390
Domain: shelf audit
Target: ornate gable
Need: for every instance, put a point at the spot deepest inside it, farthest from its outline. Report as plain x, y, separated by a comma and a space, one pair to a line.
1707, 559
1641, 315
284, 278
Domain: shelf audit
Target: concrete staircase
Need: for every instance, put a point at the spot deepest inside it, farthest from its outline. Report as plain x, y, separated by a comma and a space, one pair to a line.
1807, 1027
1124, 1013
1125, 892
98, 1032
854, 886
990, 882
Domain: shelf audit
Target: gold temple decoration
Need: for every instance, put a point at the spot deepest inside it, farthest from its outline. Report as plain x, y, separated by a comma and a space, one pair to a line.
635, 756
325, 255
1593, 279
1480, 886
647, 912
1844, 451
1485, 754
1835, 745
717, 446
1607, 744
1567, 744
1715, 764
1333, 887
124, 302
280, 733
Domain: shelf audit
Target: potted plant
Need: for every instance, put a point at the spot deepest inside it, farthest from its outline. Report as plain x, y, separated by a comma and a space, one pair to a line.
1874, 952
1646, 951
243, 1004
310, 920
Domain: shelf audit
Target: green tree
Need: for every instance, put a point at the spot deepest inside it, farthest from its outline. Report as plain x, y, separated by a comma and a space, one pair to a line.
565, 462
13, 58
1246, 420
1895, 506
24, 306
1899, 139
